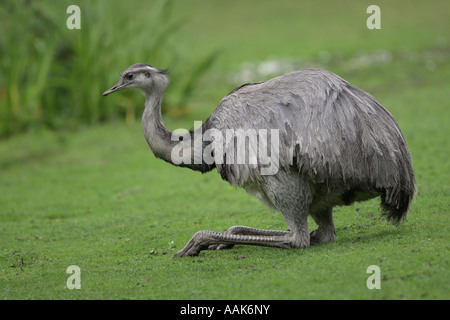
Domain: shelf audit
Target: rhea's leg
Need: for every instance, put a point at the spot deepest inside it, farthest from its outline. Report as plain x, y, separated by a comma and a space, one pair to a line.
243, 230
203, 239
291, 195
326, 231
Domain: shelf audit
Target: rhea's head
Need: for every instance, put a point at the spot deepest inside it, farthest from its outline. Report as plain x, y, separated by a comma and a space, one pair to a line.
148, 79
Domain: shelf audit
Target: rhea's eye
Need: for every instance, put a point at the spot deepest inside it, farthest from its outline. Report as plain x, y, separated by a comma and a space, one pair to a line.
147, 74
129, 76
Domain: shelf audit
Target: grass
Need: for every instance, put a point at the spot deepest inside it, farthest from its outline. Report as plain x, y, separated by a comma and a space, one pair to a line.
97, 198
76, 201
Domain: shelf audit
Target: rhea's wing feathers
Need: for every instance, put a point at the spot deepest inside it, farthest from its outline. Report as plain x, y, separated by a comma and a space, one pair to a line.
333, 132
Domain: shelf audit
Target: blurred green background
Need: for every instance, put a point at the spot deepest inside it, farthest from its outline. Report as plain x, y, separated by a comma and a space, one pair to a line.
78, 184
53, 77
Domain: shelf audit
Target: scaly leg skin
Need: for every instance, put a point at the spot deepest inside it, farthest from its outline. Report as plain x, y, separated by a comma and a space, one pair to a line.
243, 230
203, 239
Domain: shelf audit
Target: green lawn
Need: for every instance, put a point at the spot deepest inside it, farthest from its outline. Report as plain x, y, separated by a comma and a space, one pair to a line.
97, 198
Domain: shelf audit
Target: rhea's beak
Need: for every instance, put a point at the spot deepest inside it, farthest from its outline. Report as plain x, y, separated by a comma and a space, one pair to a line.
117, 87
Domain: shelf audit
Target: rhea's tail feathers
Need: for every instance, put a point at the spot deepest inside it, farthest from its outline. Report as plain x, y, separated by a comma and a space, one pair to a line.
396, 199
396, 203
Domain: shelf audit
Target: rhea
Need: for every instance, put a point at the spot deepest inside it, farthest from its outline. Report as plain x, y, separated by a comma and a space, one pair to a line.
336, 145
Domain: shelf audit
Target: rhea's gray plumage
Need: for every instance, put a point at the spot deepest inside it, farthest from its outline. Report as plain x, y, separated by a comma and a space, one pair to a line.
337, 145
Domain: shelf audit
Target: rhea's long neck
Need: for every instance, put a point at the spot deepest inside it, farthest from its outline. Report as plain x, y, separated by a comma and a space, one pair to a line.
159, 138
